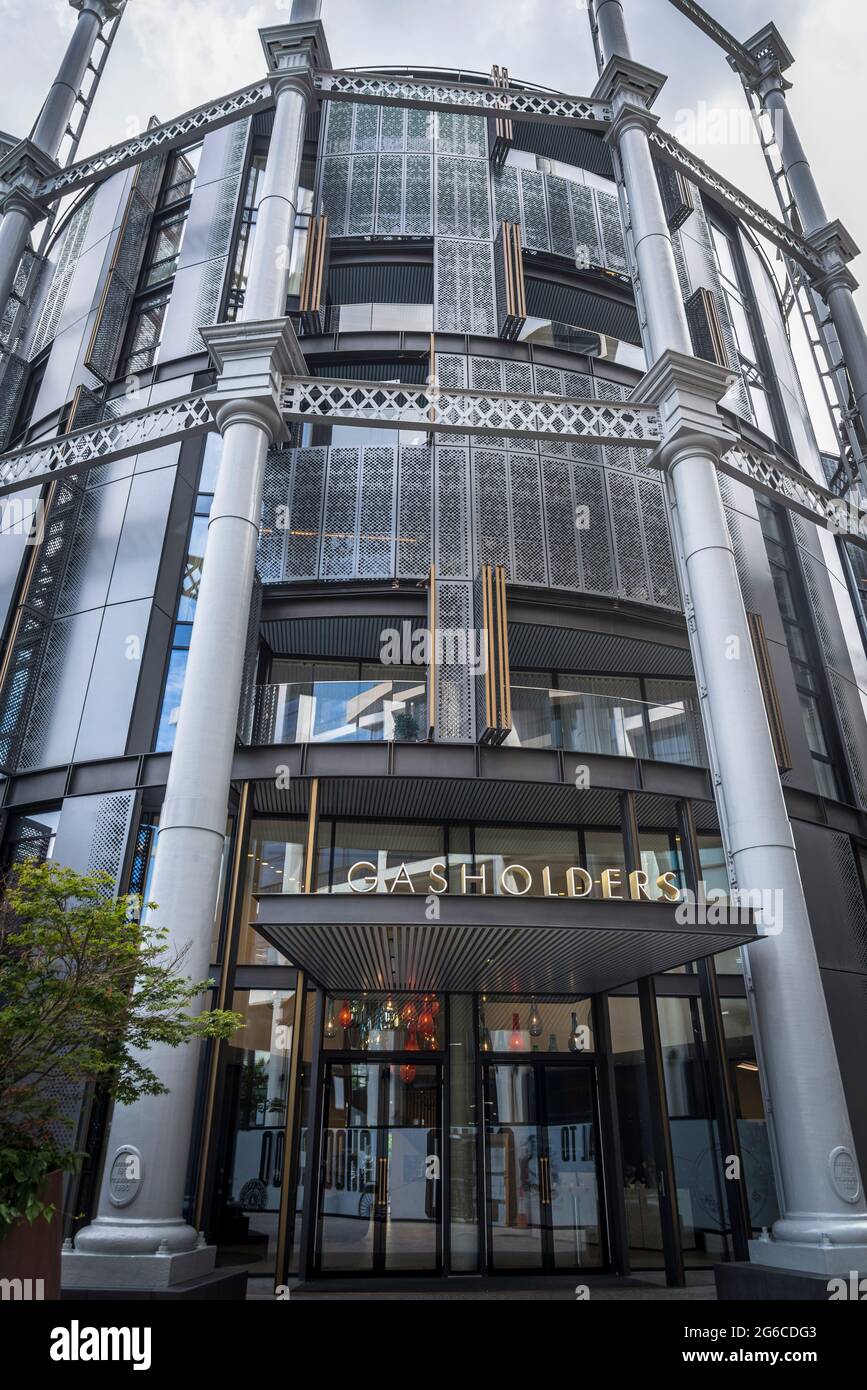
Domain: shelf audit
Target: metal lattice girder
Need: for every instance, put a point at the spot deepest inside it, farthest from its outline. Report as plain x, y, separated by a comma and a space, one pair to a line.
670, 151
741, 57
468, 412
199, 121
116, 439
795, 491
462, 97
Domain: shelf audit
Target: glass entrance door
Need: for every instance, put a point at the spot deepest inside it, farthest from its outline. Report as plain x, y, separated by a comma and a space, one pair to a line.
541, 1162
379, 1189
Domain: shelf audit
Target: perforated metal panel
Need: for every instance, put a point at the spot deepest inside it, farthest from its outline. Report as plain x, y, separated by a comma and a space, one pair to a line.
415, 517
464, 287
377, 533
339, 523
362, 196
614, 249
275, 495
594, 540
632, 577
526, 489
453, 546
491, 512
657, 540
305, 514
27, 696
585, 224
455, 694
463, 198
560, 524
461, 135
334, 191
67, 260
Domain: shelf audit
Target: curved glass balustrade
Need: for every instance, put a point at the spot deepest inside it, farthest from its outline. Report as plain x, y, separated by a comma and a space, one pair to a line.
368, 711
582, 722
386, 711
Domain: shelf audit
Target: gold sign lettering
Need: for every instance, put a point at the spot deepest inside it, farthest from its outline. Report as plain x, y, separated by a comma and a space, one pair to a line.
516, 881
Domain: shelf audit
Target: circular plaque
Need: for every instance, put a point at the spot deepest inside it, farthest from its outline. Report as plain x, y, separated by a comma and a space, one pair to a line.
125, 1176
844, 1174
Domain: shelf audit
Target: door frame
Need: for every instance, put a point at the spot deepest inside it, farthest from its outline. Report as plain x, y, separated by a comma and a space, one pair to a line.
539, 1062
379, 1269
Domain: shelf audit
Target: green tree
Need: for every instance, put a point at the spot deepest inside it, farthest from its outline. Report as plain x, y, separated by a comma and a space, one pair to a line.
86, 989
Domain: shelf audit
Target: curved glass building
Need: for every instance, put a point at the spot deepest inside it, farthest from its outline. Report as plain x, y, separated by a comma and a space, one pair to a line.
531, 847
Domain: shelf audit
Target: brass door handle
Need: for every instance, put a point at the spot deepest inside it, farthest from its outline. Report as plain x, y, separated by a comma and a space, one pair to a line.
381, 1182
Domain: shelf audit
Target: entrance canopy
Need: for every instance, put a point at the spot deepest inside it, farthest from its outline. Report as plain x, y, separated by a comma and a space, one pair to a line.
507, 945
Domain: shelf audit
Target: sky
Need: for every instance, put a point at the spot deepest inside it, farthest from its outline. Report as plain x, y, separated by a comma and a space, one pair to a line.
171, 55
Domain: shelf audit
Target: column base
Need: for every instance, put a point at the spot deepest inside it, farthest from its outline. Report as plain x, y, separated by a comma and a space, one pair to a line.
756, 1283
80, 1270
829, 1261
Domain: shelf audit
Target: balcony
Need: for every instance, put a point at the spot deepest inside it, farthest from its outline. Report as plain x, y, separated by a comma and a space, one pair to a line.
395, 711
583, 722
362, 711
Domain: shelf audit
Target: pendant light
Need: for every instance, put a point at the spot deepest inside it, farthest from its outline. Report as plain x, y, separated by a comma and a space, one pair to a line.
344, 1018
535, 1024
516, 1040
330, 1025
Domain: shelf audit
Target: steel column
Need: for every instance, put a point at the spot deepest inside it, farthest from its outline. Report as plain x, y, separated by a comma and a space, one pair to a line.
21, 211
825, 1218
192, 827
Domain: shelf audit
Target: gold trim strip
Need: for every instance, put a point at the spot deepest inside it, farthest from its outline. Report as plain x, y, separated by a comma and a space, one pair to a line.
312, 832
505, 679
432, 668
770, 694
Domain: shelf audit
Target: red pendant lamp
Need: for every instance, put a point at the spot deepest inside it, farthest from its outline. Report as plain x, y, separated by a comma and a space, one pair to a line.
408, 1071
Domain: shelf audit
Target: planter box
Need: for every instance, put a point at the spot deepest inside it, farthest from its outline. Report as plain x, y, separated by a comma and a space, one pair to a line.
31, 1253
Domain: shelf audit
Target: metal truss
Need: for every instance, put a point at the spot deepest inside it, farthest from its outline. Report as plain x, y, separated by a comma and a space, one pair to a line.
472, 413
462, 97
200, 121
116, 439
468, 412
795, 491
740, 56
670, 151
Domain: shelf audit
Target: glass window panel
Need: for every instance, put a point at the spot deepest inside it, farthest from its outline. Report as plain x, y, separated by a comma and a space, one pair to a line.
145, 334
604, 850
171, 702
537, 1024
701, 1196
249, 1179
714, 869
724, 254
762, 410
640, 1177
659, 857
181, 176
384, 1023
463, 1130
813, 723
750, 1111
498, 847
166, 241
402, 857
827, 780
